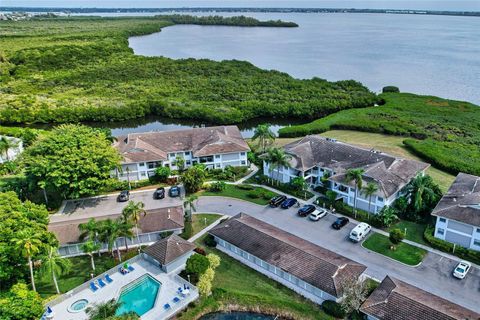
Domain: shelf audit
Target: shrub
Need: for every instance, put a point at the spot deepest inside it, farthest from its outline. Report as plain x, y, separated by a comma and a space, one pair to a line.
210, 241
187, 230
218, 186
245, 187
254, 194
334, 309
390, 89
214, 260
396, 236
200, 251
197, 264
162, 173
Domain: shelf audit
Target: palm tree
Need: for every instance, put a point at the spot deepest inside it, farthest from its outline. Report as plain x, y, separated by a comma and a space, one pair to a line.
277, 159
29, 244
109, 232
103, 310
7, 144
133, 211
53, 264
90, 231
369, 191
355, 175
126, 231
264, 135
90, 247
422, 191
189, 203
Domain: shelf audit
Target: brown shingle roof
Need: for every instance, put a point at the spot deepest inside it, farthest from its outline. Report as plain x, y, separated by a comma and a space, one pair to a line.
162, 219
396, 300
462, 201
155, 146
390, 173
168, 249
315, 265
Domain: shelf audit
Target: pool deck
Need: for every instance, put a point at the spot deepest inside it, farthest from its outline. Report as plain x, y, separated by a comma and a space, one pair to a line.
169, 285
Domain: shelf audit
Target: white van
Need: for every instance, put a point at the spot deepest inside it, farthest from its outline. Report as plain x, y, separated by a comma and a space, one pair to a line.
360, 232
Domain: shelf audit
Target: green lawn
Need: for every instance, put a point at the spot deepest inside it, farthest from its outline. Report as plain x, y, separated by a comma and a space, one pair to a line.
256, 195
202, 220
405, 253
237, 286
414, 231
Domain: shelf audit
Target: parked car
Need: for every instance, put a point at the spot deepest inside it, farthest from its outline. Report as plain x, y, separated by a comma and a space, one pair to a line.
318, 214
277, 200
159, 193
174, 191
360, 232
289, 203
340, 223
123, 196
462, 269
306, 210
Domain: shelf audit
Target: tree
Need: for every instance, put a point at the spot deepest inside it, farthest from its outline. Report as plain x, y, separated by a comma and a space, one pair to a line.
390, 89
179, 162
109, 232
356, 176
205, 282
90, 247
20, 303
264, 135
29, 244
90, 231
277, 158
107, 311
162, 173
369, 191
16, 218
331, 197
189, 205
299, 183
193, 178
354, 294
396, 236
197, 264
126, 231
53, 264
72, 161
6, 144
134, 211
423, 195
387, 216
213, 260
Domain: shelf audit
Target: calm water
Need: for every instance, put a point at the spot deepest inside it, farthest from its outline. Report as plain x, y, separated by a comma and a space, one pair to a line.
434, 55
139, 298
236, 316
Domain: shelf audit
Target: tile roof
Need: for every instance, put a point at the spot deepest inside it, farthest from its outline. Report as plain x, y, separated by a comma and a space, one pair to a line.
389, 172
155, 146
168, 249
462, 201
315, 265
396, 300
163, 219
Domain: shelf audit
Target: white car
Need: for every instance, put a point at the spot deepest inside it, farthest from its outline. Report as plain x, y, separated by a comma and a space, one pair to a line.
461, 269
318, 214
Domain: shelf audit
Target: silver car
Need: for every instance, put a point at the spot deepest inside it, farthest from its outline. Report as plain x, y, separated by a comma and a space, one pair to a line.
462, 269
318, 214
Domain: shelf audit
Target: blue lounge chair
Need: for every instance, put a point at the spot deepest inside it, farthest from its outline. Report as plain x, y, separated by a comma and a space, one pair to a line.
101, 283
108, 279
93, 287
166, 306
176, 299
131, 268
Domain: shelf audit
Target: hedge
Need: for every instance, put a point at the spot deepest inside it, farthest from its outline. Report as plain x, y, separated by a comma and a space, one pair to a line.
334, 309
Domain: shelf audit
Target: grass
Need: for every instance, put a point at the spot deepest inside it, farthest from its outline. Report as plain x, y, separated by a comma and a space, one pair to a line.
404, 253
234, 191
202, 220
237, 286
414, 231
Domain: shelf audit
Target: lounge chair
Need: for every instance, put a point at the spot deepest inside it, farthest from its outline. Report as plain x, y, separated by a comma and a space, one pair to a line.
176, 299
130, 268
108, 279
93, 287
122, 270
166, 306
101, 283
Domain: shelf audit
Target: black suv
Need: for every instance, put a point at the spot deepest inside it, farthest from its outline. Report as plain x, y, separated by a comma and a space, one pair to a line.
174, 191
123, 196
306, 210
159, 193
340, 223
277, 200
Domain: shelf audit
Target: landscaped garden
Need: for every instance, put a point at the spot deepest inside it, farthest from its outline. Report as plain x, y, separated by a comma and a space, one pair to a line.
402, 252
245, 192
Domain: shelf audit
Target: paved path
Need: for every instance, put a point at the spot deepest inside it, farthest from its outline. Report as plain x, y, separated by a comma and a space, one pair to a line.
433, 275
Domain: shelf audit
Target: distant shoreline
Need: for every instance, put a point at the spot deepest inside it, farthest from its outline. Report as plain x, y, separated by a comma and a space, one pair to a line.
239, 9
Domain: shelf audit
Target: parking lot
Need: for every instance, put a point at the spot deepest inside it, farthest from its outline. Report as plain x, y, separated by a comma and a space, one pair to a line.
433, 275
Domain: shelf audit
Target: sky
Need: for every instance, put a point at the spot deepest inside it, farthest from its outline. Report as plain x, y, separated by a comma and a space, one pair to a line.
470, 5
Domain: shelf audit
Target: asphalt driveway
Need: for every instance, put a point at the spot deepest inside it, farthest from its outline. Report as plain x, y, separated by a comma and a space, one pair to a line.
433, 275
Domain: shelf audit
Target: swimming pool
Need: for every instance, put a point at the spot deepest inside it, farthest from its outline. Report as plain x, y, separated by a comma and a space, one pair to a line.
139, 296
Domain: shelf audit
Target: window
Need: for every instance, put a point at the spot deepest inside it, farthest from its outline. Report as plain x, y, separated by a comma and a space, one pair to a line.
478, 230
217, 165
143, 174
440, 231
242, 153
187, 162
187, 153
172, 155
443, 220
476, 242
217, 156
380, 199
142, 164
243, 162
